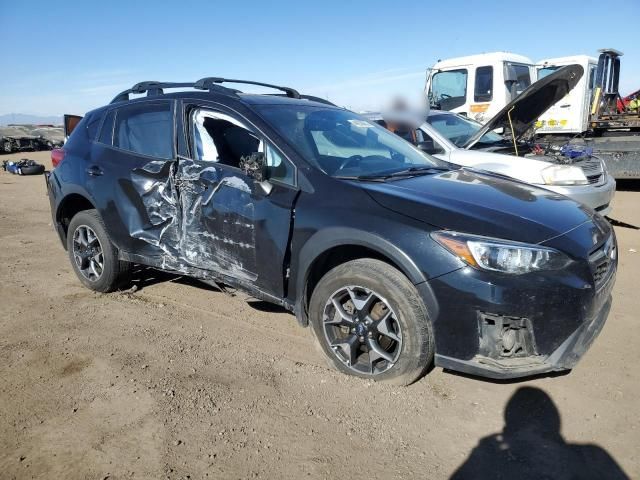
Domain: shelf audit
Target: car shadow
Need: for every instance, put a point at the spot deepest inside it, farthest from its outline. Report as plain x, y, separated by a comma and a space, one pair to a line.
142, 277
627, 185
267, 307
531, 446
507, 381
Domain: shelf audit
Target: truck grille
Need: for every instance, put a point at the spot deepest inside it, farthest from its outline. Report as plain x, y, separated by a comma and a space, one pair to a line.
602, 261
593, 170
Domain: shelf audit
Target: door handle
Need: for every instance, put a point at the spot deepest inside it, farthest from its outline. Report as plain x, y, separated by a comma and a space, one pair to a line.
94, 171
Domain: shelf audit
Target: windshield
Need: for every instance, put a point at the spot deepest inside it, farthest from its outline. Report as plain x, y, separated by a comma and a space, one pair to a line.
343, 144
449, 89
543, 72
458, 129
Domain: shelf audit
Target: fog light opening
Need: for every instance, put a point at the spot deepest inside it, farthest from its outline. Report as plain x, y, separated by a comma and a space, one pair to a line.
503, 337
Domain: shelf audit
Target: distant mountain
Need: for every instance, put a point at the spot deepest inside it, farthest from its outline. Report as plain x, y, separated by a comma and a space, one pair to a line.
21, 118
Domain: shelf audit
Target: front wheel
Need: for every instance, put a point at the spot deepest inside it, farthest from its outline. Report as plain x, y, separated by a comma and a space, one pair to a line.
93, 256
371, 322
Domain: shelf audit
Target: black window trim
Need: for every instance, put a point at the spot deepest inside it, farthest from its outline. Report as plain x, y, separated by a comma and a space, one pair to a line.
172, 110
190, 106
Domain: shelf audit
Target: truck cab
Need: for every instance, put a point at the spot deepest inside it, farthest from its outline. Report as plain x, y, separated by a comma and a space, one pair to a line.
478, 86
571, 114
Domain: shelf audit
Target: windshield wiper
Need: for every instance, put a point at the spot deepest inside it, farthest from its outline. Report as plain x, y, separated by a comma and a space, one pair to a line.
409, 172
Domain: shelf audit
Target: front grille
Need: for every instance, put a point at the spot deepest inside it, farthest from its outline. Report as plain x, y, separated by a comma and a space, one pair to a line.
602, 260
593, 170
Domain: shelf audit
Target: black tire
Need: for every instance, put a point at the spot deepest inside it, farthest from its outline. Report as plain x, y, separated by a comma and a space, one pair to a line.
415, 348
114, 272
32, 170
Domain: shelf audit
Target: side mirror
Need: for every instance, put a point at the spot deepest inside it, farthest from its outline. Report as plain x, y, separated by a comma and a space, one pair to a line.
255, 166
427, 146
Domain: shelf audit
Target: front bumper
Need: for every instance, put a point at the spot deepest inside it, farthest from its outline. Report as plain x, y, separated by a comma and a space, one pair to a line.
555, 317
597, 197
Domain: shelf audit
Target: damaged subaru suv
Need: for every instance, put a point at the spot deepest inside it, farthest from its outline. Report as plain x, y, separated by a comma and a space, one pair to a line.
396, 261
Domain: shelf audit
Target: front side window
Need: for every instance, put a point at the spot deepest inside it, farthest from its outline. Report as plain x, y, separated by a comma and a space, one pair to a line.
458, 129
449, 88
146, 129
483, 91
523, 78
424, 137
221, 138
341, 143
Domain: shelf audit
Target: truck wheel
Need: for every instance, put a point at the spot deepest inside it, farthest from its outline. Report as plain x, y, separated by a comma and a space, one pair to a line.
93, 256
371, 322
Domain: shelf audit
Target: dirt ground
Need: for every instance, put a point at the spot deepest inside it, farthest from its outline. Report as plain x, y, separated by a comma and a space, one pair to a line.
178, 380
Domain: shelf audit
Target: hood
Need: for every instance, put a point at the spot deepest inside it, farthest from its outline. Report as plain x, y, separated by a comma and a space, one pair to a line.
526, 169
481, 204
525, 109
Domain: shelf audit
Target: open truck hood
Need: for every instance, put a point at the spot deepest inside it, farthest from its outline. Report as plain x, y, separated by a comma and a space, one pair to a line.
525, 109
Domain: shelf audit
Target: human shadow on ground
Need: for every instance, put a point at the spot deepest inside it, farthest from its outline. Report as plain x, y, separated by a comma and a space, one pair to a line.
531, 447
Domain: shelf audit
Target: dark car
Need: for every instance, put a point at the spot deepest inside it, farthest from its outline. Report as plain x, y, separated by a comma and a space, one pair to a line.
393, 259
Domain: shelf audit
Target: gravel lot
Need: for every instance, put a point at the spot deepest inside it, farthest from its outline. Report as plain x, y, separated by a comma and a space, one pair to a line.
178, 380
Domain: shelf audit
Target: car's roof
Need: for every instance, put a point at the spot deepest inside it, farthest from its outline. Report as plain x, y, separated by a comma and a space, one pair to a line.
248, 99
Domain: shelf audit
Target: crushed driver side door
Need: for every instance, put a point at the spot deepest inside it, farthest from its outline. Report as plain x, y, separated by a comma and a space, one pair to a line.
231, 224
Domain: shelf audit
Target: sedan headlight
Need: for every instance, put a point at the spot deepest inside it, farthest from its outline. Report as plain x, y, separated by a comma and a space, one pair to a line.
564, 175
500, 255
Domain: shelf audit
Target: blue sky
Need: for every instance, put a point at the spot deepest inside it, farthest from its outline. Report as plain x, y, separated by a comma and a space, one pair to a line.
70, 57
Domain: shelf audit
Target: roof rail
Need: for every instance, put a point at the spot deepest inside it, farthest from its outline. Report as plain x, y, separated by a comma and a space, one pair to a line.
153, 88
207, 82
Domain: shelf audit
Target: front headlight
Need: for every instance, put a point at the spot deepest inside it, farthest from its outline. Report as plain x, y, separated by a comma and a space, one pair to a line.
564, 175
500, 255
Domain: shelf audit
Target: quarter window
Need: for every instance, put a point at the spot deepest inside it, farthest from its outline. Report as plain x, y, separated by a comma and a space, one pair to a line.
106, 134
483, 91
92, 126
146, 129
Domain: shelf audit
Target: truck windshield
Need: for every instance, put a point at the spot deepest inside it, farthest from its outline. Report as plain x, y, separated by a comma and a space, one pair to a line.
459, 129
343, 144
449, 89
543, 72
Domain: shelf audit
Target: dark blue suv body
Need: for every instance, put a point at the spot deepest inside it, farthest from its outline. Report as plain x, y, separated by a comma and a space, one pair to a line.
393, 258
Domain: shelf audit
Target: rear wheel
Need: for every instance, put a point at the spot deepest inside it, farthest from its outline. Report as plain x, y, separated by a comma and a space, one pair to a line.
371, 322
93, 256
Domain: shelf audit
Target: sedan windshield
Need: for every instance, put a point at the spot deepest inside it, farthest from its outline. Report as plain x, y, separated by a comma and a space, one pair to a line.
343, 144
458, 129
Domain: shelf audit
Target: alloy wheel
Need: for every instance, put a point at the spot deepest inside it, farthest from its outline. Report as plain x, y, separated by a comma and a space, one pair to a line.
87, 253
362, 330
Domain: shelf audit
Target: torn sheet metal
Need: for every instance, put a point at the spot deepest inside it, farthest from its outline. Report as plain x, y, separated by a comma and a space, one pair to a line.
198, 215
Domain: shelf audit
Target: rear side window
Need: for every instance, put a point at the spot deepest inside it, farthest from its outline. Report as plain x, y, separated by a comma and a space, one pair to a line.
106, 133
483, 91
146, 129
